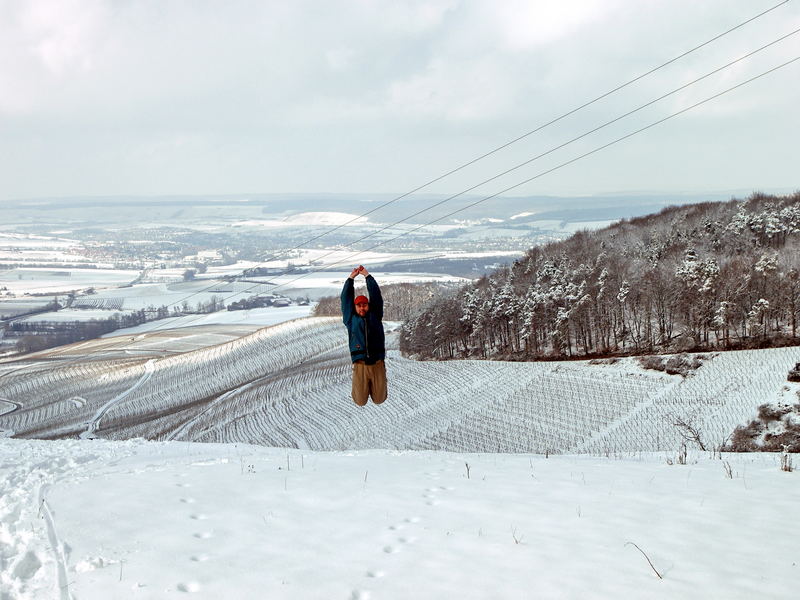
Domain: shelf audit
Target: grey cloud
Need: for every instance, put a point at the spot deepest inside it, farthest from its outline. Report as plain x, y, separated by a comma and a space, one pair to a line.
196, 97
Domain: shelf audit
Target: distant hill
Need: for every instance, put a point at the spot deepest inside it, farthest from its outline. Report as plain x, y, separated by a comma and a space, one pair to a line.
180, 210
694, 277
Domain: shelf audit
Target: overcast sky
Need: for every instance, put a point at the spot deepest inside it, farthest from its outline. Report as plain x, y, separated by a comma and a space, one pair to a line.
204, 97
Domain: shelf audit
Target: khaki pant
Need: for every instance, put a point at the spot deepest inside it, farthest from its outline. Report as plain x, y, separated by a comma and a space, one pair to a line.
369, 380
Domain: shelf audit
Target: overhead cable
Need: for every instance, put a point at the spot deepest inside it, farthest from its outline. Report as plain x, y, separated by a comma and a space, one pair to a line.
463, 166
521, 137
562, 165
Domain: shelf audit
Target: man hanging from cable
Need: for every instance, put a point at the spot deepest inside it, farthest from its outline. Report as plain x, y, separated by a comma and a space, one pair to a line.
363, 318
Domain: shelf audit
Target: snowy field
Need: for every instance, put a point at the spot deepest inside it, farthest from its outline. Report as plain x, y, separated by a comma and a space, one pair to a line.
25, 280
106, 302
257, 317
330, 258
254, 318
22, 241
19, 306
71, 314
98, 520
14, 256
142, 296
316, 285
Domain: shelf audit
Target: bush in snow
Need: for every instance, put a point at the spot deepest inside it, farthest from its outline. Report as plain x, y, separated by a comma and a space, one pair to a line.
656, 363
678, 364
611, 360
775, 429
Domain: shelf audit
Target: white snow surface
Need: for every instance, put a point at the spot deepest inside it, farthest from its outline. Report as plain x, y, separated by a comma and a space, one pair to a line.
19, 241
30, 280
72, 314
475, 479
306, 218
269, 315
96, 519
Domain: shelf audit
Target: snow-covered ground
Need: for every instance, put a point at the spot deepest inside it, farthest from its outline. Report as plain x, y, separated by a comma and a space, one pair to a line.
18, 306
66, 315
13, 256
269, 315
27, 280
317, 285
305, 219
597, 517
173, 294
142, 296
135, 519
22, 241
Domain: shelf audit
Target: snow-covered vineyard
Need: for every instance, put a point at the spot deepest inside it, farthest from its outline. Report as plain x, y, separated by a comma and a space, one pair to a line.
288, 385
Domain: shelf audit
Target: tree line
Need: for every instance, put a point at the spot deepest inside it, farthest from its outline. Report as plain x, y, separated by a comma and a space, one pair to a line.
689, 278
36, 336
41, 335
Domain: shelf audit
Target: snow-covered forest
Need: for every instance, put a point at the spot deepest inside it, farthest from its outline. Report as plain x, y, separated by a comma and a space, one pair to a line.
698, 277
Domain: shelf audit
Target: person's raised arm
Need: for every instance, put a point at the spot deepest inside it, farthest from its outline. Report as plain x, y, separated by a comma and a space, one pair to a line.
347, 298
375, 297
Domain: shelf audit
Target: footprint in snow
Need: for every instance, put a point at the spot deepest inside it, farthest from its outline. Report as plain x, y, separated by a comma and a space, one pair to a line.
203, 535
190, 587
406, 540
375, 574
391, 549
188, 500
199, 558
198, 517
412, 520
359, 595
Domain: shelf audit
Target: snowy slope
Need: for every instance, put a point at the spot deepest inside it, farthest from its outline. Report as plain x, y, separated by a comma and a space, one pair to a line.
94, 520
338, 518
289, 385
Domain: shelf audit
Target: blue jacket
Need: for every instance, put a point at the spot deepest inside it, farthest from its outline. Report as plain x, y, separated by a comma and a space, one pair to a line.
366, 336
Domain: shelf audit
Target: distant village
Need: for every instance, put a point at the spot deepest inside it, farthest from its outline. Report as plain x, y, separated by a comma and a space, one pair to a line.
35, 320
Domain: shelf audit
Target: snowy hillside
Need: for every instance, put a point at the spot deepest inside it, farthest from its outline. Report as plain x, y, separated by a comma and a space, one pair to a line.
289, 385
94, 520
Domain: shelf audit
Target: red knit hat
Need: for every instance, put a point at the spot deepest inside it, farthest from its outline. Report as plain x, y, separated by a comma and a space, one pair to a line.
361, 300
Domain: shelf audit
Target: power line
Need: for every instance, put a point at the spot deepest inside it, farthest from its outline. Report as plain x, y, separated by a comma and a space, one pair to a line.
569, 162
564, 164
508, 143
543, 154
574, 139
529, 161
544, 125
541, 174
